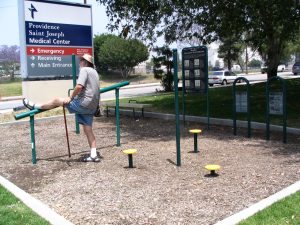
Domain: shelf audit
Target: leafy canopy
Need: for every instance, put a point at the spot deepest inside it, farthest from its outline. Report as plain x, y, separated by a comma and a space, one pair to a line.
121, 54
267, 25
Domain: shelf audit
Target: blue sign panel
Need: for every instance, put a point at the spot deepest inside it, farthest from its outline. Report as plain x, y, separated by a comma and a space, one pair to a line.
39, 33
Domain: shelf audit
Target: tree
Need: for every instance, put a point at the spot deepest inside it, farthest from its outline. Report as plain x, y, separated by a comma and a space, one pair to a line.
99, 40
163, 65
255, 63
270, 24
217, 63
10, 59
230, 50
123, 55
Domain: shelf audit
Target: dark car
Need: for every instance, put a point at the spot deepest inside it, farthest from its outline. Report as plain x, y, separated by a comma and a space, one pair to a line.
296, 68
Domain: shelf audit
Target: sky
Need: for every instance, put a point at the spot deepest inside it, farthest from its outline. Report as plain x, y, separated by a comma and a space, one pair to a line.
9, 21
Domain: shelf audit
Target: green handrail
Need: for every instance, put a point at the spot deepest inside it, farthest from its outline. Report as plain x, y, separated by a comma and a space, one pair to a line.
29, 113
102, 90
112, 87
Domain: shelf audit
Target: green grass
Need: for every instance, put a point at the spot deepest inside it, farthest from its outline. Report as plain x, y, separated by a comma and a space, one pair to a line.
10, 88
221, 103
285, 211
14, 212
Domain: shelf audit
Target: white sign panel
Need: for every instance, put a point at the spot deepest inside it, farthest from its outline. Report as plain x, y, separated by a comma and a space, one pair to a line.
276, 103
241, 103
51, 32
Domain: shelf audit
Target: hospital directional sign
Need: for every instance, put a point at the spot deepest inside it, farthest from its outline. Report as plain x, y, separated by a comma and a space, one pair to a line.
51, 31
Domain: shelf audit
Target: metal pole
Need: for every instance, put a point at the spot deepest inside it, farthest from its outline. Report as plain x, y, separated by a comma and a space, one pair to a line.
117, 117
66, 128
74, 84
234, 107
32, 139
267, 112
130, 160
248, 109
284, 110
195, 143
207, 88
183, 89
177, 107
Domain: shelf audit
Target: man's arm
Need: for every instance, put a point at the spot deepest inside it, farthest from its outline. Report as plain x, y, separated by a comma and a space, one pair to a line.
78, 88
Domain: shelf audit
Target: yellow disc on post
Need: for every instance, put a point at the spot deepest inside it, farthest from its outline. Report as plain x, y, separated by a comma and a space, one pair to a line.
212, 167
130, 151
195, 131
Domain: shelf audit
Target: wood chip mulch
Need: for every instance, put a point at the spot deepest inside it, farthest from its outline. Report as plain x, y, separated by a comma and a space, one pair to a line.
156, 191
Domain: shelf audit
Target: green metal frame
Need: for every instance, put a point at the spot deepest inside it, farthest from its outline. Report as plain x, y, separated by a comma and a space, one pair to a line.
196, 143
284, 113
33, 112
177, 119
248, 104
74, 85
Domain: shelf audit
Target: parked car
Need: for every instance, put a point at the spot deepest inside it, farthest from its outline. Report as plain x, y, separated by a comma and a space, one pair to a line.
296, 68
280, 68
221, 77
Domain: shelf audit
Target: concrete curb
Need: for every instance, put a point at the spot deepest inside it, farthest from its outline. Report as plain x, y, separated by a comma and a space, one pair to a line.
37, 206
140, 85
12, 98
213, 121
244, 214
37, 120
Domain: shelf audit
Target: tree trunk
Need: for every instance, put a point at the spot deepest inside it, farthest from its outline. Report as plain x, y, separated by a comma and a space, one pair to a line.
246, 59
229, 64
273, 57
12, 75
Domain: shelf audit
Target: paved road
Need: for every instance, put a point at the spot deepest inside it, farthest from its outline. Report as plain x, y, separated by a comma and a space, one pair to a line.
132, 91
127, 92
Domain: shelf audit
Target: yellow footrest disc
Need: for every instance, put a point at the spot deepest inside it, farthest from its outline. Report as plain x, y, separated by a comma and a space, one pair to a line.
195, 131
212, 167
130, 151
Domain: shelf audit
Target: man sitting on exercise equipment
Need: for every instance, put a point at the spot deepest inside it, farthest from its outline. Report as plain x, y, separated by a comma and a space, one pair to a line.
84, 102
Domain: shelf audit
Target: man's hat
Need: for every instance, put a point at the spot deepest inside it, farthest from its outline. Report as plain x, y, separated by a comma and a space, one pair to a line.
88, 58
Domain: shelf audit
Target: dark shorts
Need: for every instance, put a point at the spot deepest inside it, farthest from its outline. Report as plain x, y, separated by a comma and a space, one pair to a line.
85, 116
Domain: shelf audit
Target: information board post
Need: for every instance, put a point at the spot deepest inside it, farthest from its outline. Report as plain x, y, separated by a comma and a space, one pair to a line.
276, 105
241, 103
195, 74
177, 119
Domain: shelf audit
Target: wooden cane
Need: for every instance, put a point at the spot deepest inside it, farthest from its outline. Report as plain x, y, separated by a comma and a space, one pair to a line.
66, 127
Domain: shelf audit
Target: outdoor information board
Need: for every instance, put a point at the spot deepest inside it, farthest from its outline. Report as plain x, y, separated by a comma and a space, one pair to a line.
50, 33
241, 102
275, 103
194, 69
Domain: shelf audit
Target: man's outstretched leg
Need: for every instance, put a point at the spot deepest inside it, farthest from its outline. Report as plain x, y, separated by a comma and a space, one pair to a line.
56, 102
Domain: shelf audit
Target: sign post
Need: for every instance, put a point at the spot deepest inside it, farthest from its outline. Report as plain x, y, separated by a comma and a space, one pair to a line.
241, 103
177, 119
276, 105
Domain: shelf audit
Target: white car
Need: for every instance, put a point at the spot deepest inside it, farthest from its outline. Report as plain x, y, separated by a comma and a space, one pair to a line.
221, 77
280, 68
